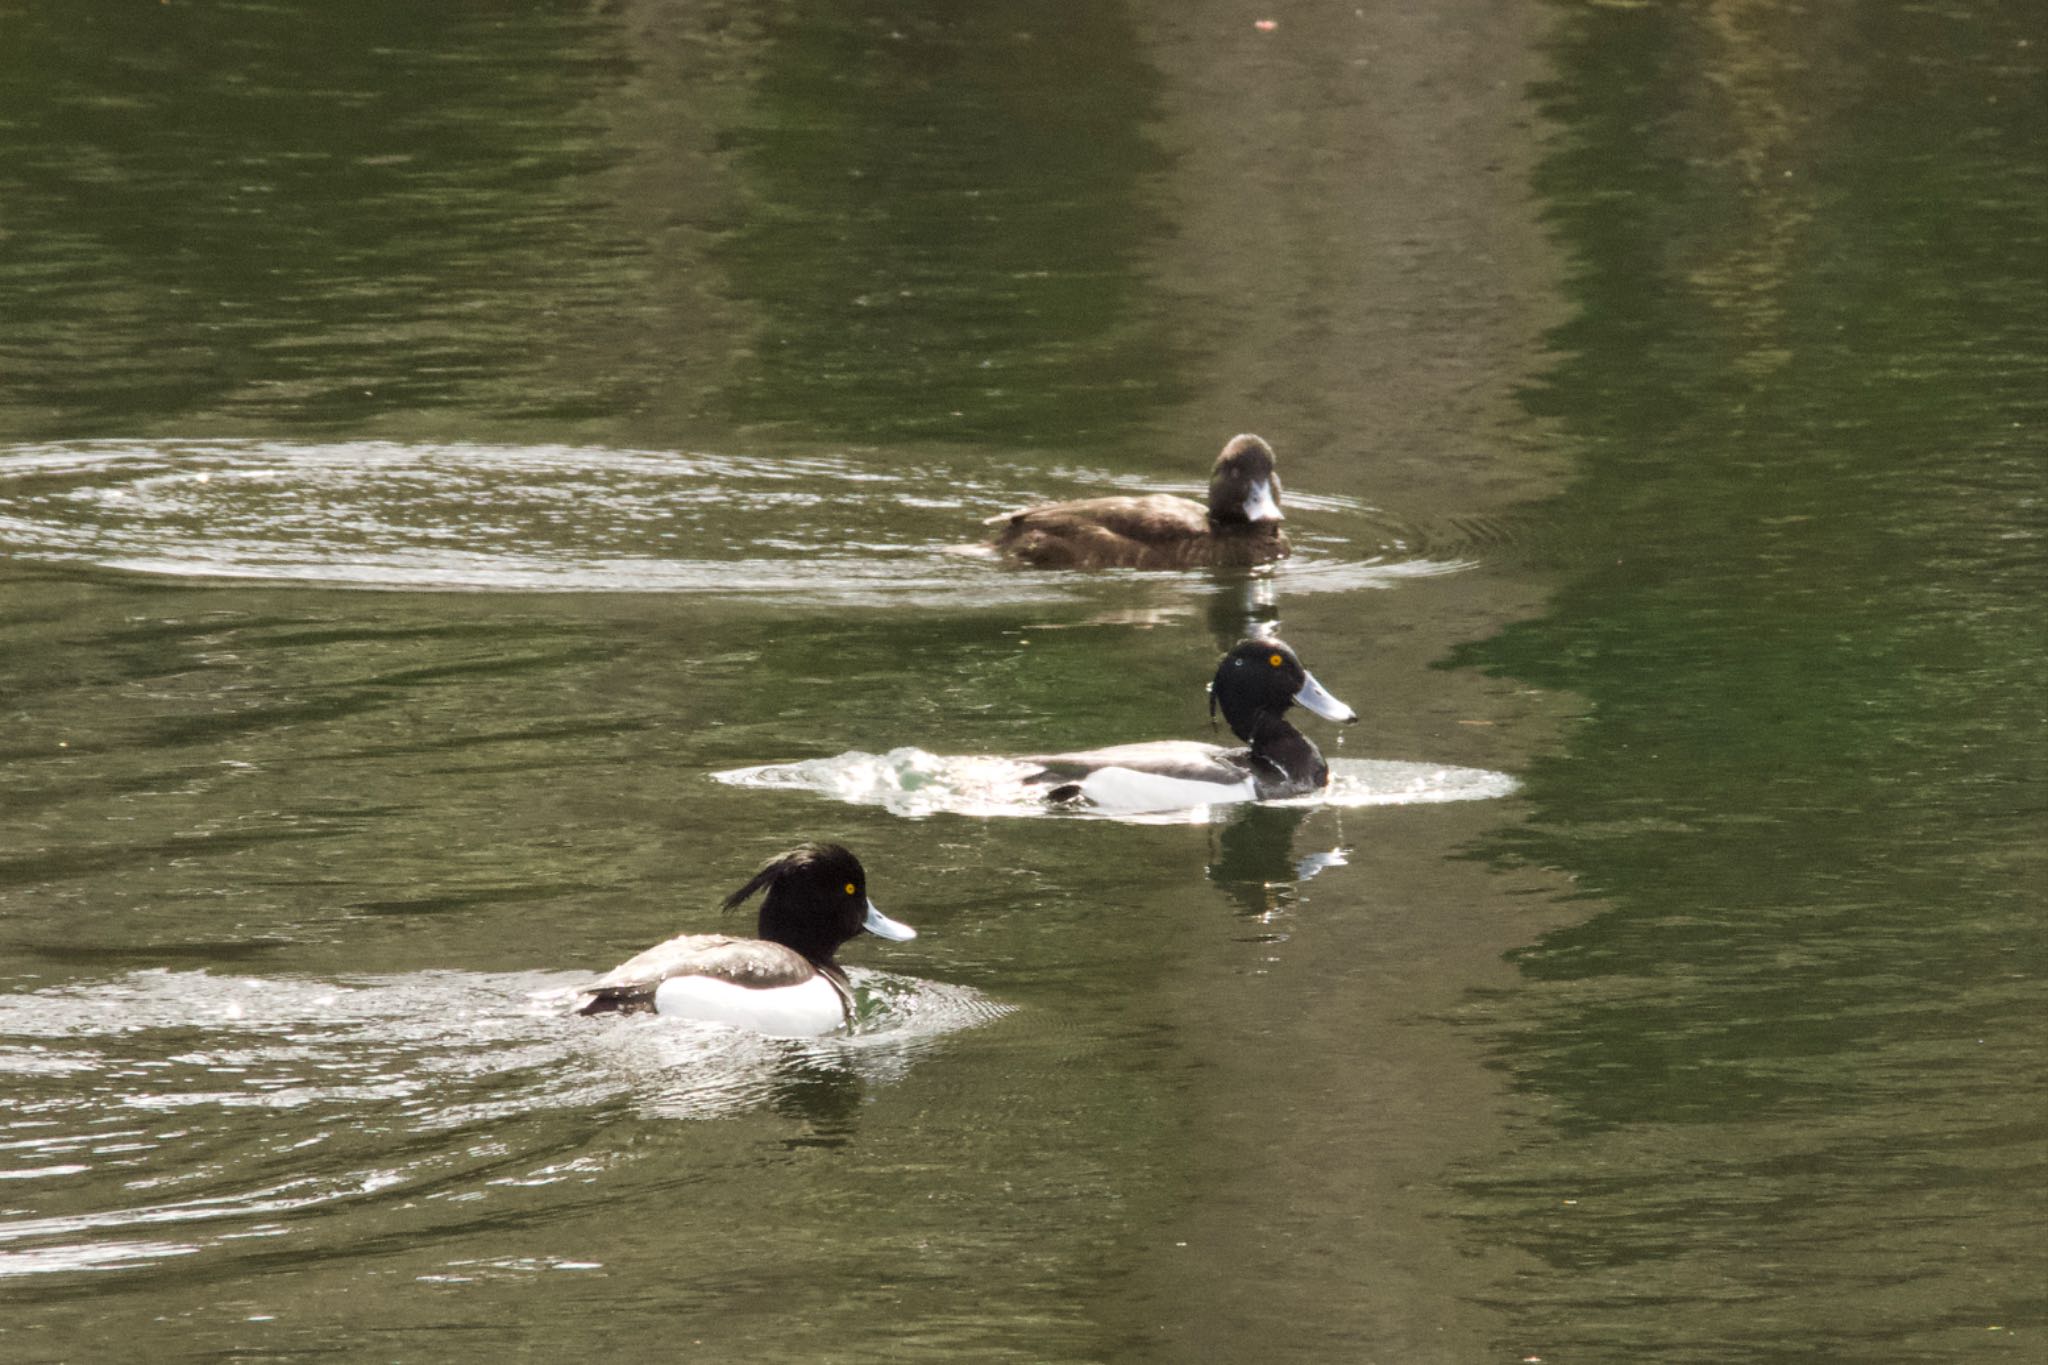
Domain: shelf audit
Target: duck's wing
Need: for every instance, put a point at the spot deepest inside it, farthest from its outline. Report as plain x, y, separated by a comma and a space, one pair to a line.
1159, 776
749, 962
1121, 516
1183, 759
1129, 532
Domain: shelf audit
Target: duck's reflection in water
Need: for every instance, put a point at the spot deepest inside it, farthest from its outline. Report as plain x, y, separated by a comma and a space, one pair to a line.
1255, 860
1245, 605
821, 1092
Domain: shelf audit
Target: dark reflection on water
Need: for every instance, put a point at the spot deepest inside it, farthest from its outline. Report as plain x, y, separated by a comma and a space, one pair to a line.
945, 224
1261, 854
873, 226
292, 215
1777, 1065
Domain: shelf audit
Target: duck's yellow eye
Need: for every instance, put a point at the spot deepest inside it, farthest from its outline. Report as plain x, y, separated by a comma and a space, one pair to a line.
1275, 660
852, 890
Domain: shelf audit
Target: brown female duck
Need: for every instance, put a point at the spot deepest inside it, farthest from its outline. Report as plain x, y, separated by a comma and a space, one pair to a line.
1240, 526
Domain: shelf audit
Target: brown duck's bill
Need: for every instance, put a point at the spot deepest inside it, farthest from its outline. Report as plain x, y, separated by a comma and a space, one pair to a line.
1261, 505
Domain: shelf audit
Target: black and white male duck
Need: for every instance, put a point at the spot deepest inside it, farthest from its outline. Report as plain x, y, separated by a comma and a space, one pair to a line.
1239, 527
1255, 685
786, 982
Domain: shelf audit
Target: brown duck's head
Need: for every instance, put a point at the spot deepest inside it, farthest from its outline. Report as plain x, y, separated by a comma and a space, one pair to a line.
1244, 487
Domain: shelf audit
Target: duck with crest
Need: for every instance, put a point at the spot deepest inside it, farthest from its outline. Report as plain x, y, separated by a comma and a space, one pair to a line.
787, 981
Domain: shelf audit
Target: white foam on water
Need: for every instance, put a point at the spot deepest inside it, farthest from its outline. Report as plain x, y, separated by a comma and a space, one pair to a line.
916, 784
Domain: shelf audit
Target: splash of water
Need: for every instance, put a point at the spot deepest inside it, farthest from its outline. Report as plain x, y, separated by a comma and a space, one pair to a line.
913, 783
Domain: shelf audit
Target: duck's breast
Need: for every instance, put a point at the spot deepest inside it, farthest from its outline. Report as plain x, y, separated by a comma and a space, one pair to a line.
1157, 775
1135, 791
804, 1010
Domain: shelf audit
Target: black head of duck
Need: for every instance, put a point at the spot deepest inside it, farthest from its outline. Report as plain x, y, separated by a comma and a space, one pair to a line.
1255, 685
787, 979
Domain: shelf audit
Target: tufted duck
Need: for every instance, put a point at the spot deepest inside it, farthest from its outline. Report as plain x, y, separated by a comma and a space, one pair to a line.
1240, 526
1255, 684
785, 982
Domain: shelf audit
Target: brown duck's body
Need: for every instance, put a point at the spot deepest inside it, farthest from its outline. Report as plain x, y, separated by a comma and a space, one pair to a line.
1156, 532
1239, 527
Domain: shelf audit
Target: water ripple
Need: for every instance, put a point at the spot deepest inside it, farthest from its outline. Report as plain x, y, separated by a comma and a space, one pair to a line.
869, 528
131, 1089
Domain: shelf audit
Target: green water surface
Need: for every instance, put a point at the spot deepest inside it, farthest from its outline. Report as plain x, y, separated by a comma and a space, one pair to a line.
1664, 387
